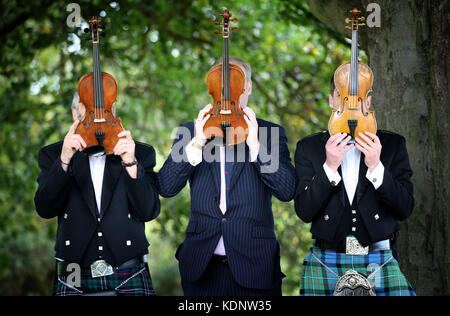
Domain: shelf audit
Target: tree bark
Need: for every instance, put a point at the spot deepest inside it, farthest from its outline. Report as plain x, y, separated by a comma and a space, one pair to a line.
409, 58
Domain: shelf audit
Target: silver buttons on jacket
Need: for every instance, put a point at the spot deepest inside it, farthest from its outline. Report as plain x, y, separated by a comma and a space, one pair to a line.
65, 215
326, 217
67, 242
128, 242
377, 217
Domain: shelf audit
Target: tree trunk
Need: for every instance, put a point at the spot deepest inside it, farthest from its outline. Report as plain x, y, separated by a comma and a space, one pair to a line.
411, 97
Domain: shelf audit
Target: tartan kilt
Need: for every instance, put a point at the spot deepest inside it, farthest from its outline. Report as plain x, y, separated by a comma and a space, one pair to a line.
317, 280
139, 285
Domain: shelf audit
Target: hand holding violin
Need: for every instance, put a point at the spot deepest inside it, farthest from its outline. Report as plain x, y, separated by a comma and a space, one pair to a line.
125, 148
370, 146
72, 143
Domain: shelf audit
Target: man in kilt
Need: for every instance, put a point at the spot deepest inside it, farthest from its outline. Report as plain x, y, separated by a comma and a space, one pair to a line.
354, 193
101, 202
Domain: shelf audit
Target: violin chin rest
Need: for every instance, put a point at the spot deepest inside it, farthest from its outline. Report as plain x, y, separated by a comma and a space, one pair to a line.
95, 149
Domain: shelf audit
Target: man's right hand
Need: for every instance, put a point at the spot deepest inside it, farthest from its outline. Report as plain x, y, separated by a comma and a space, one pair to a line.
335, 150
200, 122
72, 143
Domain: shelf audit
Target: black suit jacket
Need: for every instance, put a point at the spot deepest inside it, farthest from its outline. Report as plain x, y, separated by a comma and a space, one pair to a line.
380, 210
247, 226
126, 203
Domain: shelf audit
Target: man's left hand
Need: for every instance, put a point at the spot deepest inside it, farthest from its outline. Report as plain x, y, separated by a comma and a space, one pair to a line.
371, 148
252, 123
125, 148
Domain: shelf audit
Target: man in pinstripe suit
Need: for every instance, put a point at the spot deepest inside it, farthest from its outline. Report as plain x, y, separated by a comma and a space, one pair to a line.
230, 246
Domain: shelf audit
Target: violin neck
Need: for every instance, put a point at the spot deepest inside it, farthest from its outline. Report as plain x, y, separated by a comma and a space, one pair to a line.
98, 80
226, 69
354, 64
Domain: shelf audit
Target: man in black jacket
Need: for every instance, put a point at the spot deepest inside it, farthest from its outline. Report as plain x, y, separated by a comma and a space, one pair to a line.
354, 193
102, 203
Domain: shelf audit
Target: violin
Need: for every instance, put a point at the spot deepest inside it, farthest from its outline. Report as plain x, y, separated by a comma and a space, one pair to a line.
98, 92
226, 83
354, 82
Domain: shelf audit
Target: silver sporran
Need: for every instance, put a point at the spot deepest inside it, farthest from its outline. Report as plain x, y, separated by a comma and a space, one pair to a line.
353, 283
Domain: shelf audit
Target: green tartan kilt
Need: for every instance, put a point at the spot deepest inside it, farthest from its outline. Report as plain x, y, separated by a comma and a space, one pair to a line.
136, 282
318, 280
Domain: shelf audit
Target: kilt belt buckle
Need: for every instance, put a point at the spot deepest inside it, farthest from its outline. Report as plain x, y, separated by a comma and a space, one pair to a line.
354, 248
101, 268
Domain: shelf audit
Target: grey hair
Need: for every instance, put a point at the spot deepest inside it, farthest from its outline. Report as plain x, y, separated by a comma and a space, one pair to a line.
240, 62
76, 105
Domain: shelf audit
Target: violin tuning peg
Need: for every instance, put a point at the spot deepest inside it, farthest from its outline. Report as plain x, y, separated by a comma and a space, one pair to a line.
362, 24
235, 20
362, 18
348, 27
86, 30
216, 32
347, 20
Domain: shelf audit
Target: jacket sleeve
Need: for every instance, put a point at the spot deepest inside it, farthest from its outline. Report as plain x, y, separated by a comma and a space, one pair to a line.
177, 170
142, 192
276, 169
396, 191
53, 184
313, 187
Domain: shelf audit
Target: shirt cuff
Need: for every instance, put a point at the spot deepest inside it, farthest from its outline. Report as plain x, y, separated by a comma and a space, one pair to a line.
376, 176
254, 155
332, 176
194, 155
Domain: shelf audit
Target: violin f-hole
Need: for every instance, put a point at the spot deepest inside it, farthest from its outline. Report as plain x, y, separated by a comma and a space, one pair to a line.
90, 120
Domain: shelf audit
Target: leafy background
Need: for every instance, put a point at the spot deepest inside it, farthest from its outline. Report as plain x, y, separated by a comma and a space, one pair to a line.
159, 52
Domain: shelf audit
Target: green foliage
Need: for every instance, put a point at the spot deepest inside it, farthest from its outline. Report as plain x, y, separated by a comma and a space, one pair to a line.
159, 52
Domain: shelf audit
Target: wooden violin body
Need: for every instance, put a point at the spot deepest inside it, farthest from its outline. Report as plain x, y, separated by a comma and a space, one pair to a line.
353, 107
100, 127
226, 83
226, 114
354, 82
98, 92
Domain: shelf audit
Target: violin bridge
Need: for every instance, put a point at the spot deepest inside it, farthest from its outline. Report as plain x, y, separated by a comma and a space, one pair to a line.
102, 120
225, 112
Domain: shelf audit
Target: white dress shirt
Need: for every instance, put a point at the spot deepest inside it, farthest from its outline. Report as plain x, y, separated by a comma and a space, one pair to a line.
97, 167
195, 156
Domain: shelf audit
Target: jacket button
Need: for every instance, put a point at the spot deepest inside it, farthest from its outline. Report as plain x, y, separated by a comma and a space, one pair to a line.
377, 217
67, 242
224, 220
326, 217
306, 188
65, 215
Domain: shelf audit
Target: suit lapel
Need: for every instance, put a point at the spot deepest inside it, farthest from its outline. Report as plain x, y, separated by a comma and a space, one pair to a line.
82, 174
113, 169
238, 163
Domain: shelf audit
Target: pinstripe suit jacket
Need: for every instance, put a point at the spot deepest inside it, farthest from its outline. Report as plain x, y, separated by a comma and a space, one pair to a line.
247, 226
